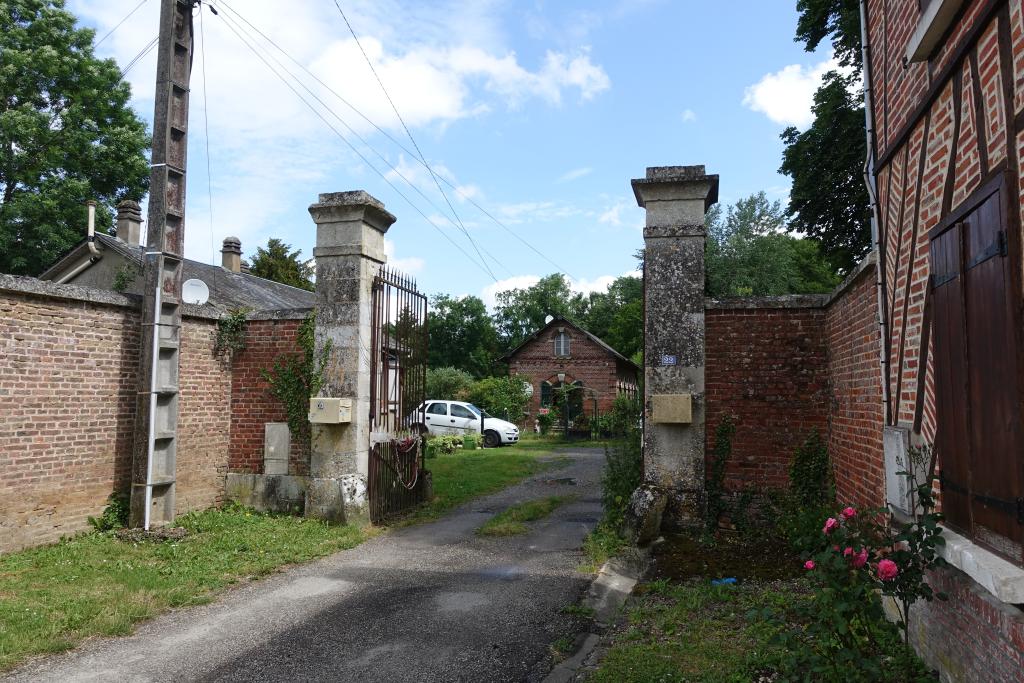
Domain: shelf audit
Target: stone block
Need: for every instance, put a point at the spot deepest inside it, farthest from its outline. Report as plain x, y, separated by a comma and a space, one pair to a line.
671, 408
267, 493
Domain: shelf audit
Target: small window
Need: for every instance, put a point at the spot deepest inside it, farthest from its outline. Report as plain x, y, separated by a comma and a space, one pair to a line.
437, 409
561, 344
462, 411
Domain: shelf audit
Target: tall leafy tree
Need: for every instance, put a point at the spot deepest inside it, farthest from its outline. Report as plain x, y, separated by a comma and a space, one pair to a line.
521, 312
67, 135
749, 252
616, 316
828, 200
279, 263
462, 336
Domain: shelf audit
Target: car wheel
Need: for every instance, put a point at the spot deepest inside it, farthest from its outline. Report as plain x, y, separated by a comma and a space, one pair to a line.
492, 439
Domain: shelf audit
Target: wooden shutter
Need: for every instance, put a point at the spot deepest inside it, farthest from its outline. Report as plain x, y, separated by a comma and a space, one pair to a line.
976, 380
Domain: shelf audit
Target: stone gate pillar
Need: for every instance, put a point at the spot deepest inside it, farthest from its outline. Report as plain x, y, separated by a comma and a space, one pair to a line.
350, 229
676, 198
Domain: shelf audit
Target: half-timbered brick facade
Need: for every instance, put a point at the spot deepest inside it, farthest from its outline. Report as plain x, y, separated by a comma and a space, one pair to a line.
947, 121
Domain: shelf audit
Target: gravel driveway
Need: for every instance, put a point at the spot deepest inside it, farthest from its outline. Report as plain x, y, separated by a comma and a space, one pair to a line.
432, 602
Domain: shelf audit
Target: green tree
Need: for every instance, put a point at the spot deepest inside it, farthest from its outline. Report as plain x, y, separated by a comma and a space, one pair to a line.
502, 397
279, 263
521, 312
828, 200
448, 384
616, 316
67, 135
462, 335
748, 252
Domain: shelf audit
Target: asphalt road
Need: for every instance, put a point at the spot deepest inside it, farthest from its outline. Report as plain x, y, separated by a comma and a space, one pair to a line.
432, 602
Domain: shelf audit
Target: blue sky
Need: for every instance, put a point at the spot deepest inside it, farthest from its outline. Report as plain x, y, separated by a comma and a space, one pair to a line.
540, 112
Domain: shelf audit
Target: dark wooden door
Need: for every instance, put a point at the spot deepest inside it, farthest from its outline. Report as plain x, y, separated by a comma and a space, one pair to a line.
976, 377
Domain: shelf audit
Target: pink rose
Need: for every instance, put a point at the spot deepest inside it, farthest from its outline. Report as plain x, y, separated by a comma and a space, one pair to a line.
830, 524
861, 559
887, 570
848, 551
848, 513
809, 565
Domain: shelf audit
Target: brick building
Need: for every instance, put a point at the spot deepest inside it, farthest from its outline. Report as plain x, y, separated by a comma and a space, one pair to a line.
563, 353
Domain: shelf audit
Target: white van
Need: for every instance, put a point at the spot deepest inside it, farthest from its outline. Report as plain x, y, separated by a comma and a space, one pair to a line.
459, 417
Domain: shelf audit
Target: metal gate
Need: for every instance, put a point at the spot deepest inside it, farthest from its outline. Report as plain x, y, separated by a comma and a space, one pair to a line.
397, 478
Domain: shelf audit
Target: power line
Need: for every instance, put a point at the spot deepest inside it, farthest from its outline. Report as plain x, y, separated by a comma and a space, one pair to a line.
354, 133
231, 26
408, 132
397, 143
118, 25
139, 57
206, 134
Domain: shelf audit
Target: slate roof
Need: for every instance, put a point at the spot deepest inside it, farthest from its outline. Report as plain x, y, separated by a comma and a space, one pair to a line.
558, 319
227, 289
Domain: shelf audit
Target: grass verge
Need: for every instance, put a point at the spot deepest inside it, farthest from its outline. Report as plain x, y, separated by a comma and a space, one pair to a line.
599, 545
466, 475
510, 522
53, 597
696, 632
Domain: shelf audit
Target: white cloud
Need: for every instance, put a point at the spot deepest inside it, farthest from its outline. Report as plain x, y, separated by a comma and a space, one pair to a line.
491, 291
786, 96
688, 116
575, 174
411, 265
440, 66
612, 215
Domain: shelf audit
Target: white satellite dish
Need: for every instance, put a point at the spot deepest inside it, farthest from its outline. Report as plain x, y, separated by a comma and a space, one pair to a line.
195, 292
548, 319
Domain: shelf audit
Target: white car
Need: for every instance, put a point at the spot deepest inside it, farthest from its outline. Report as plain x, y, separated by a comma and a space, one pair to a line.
459, 417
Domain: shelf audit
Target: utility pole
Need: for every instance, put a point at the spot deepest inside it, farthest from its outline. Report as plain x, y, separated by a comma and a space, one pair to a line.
156, 416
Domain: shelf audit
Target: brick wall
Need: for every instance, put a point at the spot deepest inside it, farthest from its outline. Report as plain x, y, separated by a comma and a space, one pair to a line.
69, 363
588, 363
252, 405
855, 395
766, 367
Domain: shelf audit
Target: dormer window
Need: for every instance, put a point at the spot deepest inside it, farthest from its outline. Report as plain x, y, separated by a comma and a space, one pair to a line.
561, 344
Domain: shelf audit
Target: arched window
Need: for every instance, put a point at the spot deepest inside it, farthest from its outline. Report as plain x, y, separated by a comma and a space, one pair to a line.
545, 394
561, 343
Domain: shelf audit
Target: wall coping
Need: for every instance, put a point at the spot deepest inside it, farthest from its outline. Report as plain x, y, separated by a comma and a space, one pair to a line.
796, 300
996, 575
21, 284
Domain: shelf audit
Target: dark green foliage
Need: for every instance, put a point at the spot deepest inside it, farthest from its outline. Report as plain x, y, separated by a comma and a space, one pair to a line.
749, 253
623, 472
124, 277
67, 134
295, 377
279, 263
837, 20
448, 384
810, 498
463, 336
828, 200
521, 312
502, 397
230, 333
115, 515
616, 316
715, 483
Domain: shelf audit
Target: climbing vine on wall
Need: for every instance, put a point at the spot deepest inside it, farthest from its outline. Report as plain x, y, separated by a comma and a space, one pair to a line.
230, 333
715, 485
295, 377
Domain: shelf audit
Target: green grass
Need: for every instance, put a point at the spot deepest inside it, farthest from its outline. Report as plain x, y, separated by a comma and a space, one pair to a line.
53, 597
599, 545
510, 522
696, 632
463, 476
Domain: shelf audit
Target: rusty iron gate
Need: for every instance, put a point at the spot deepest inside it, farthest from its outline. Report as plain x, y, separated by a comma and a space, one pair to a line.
397, 478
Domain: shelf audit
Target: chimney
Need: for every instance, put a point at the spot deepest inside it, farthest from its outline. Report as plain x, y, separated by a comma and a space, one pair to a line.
245, 267
129, 223
231, 254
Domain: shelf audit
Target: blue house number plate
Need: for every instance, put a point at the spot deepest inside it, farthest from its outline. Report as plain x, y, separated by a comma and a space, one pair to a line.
669, 359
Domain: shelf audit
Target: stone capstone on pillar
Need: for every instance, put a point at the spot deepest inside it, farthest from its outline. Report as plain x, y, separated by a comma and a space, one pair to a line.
350, 228
676, 199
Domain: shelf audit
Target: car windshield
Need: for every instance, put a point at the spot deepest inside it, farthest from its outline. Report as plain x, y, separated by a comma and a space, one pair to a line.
477, 411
